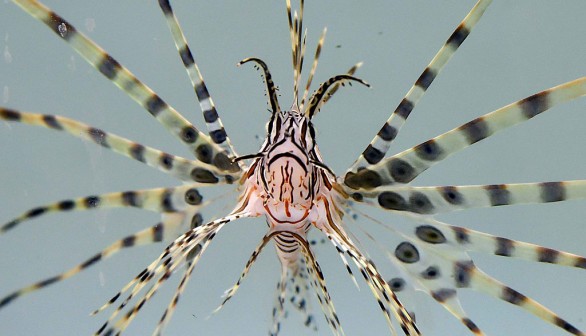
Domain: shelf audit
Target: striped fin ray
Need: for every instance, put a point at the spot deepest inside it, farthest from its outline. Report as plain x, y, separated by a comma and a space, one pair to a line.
164, 200
380, 289
433, 200
187, 248
298, 51
404, 289
166, 317
407, 165
232, 291
292, 37
435, 255
382, 292
200, 144
147, 274
163, 231
299, 299
215, 127
483, 242
161, 270
482, 282
192, 259
456, 238
341, 253
380, 144
176, 166
375, 285
302, 55
330, 93
297, 46
426, 277
435, 275
320, 44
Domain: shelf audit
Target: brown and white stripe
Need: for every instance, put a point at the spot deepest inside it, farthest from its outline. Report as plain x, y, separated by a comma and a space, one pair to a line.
183, 169
215, 127
380, 144
407, 165
200, 144
441, 199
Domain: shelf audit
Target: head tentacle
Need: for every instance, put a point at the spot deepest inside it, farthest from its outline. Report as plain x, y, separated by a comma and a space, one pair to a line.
319, 95
271, 88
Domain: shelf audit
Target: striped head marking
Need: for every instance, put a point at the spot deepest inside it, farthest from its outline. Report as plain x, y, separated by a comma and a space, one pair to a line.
289, 153
289, 174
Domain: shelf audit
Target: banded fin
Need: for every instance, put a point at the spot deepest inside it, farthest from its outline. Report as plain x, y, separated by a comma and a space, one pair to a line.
434, 274
191, 259
320, 45
386, 298
176, 166
163, 200
434, 254
296, 290
214, 125
404, 167
297, 46
199, 143
380, 144
442, 199
482, 282
384, 295
160, 232
188, 246
232, 290
438, 233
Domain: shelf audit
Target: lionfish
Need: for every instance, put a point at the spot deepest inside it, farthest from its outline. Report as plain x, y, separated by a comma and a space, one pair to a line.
289, 184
